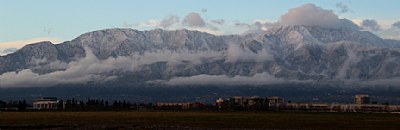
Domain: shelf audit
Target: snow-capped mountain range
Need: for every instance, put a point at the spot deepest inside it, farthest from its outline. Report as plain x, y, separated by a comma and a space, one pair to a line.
287, 54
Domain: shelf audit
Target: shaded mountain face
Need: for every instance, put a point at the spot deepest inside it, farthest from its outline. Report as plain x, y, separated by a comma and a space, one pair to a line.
288, 54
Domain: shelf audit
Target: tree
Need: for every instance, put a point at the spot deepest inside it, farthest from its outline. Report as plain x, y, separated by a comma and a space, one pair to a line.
22, 105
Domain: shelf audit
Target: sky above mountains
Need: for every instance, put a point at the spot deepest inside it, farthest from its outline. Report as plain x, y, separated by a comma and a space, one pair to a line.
24, 22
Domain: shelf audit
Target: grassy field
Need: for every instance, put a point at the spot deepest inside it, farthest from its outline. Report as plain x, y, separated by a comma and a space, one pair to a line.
197, 120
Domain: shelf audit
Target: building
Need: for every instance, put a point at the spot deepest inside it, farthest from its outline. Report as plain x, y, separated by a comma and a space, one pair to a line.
238, 100
255, 103
179, 106
255, 100
219, 102
45, 103
240, 103
275, 101
361, 99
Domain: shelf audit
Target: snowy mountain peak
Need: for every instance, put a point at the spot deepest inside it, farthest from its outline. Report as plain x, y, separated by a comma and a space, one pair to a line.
316, 34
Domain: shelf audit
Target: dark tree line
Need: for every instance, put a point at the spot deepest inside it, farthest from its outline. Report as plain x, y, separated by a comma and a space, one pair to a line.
101, 105
79, 105
19, 105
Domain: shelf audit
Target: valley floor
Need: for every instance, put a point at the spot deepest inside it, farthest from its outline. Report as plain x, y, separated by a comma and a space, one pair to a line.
197, 120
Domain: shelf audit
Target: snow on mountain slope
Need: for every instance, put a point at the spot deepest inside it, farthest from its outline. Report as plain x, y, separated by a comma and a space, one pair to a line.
287, 54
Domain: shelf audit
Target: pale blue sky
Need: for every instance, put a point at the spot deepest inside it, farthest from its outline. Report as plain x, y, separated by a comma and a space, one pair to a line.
65, 20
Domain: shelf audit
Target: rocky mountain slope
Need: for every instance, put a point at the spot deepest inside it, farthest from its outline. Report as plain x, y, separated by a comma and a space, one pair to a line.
305, 54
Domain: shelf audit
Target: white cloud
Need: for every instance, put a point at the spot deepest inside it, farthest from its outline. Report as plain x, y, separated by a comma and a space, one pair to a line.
257, 79
208, 30
256, 27
390, 34
193, 20
357, 21
351, 59
393, 32
150, 23
385, 29
169, 21
218, 21
343, 7
165, 23
309, 14
396, 25
370, 25
235, 53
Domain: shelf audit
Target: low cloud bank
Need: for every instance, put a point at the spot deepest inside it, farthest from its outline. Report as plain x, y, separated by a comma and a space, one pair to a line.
235, 53
383, 82
80, 72
267, 79
92, 69
257, 79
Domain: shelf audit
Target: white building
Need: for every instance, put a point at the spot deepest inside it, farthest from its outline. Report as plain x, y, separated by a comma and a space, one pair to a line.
275, 101
361, 99
45, 103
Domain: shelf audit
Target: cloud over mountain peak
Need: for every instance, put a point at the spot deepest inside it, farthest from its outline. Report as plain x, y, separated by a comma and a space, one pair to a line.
310, 14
